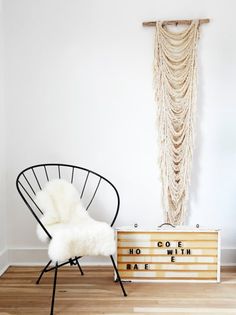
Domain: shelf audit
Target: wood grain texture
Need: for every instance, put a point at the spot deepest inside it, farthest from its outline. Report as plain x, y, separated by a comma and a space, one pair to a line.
149, 244
175, 236
96, 293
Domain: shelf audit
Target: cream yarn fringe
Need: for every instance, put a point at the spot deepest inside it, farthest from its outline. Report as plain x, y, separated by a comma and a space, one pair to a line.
175, 79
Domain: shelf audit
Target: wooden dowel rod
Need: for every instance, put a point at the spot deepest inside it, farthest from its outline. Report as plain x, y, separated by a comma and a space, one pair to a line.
175, 22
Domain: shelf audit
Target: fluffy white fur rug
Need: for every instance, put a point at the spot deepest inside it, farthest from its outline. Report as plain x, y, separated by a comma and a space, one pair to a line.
73, 231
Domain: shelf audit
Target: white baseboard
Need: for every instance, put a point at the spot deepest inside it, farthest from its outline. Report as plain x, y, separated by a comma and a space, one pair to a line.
3, 261
228, 256
27, 256
39, 256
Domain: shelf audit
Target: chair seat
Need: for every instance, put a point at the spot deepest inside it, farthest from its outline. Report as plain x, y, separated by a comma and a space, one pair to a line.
71, 240
73, 231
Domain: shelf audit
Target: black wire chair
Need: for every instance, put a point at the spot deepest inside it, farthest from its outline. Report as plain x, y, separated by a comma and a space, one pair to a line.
33, 178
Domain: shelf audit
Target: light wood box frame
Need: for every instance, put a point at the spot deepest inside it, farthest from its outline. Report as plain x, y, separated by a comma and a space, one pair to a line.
178, 232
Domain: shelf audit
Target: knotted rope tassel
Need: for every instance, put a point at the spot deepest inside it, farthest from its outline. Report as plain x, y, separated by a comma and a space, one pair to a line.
175, 81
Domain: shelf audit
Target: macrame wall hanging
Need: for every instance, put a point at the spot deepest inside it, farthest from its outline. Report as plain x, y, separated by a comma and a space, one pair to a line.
175, 83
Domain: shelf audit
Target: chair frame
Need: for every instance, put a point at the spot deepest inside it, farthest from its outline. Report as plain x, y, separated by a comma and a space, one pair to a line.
21, 188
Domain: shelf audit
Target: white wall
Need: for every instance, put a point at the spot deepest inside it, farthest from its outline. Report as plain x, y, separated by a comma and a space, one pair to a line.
3, 232
78, 87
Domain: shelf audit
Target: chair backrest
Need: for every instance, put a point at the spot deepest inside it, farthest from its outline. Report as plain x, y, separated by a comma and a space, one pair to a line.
88, 182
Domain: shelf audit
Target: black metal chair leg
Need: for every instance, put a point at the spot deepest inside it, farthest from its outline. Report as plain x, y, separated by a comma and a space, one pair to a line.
118, 276
42, 272
54, 288
81, 271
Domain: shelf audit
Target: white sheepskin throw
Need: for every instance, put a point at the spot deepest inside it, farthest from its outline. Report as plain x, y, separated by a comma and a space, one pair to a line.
73, 231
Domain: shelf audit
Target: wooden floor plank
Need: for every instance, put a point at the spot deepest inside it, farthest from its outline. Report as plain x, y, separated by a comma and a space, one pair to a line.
97, 293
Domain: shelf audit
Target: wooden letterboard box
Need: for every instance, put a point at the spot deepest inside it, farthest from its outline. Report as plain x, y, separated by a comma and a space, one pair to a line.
176, 255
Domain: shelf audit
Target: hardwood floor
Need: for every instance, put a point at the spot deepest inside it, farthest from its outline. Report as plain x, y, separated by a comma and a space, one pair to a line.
96, 293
